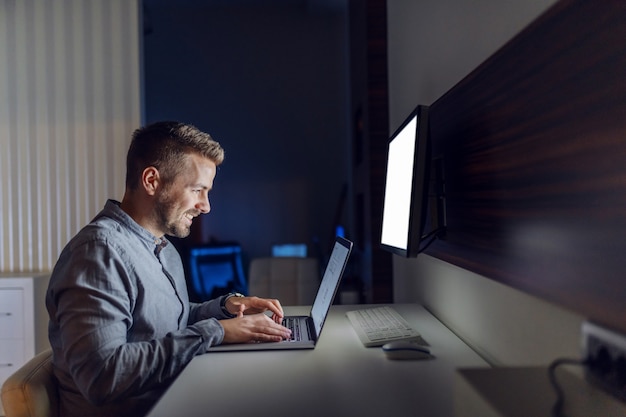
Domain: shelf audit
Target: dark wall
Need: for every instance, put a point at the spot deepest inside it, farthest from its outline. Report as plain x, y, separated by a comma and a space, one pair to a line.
534, 145
268, 80
370, 118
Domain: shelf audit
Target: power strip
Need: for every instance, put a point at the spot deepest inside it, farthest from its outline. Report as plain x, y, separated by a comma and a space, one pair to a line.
605, 352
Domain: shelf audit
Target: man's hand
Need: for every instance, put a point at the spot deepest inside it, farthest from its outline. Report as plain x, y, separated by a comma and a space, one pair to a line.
253, 328
253, 305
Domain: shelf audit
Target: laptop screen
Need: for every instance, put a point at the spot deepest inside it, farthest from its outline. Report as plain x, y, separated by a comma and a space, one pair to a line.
330, 282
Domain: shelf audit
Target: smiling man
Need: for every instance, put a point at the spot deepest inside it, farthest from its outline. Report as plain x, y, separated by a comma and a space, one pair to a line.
121, 324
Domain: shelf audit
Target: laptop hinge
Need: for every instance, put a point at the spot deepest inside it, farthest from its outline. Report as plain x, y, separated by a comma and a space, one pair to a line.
311, 329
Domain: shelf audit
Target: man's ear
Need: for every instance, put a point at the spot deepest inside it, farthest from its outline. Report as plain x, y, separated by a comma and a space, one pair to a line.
150, 180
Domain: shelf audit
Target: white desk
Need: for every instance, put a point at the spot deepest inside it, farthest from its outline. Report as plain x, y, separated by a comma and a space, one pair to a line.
526, 391
339, 377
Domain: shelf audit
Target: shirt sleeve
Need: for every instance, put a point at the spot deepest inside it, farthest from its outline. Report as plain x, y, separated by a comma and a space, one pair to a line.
208, 309
114, 343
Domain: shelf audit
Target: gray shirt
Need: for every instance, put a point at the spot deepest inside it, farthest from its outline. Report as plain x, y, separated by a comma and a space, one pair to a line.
121, 324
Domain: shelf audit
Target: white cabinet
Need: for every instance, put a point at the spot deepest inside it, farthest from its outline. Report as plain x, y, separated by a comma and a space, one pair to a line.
23, 321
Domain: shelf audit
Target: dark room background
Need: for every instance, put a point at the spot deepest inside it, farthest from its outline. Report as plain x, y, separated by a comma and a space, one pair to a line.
268, 80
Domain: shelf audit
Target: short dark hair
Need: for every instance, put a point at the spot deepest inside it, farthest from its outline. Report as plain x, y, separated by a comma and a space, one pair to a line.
165, 145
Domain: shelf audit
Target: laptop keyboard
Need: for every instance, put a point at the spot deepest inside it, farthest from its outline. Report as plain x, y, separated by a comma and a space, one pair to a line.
293, 324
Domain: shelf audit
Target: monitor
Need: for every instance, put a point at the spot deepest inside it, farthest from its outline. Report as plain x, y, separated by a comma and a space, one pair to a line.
290, 250
407, 186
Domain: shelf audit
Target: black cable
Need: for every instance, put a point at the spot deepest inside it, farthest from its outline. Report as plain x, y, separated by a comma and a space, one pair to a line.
557, 409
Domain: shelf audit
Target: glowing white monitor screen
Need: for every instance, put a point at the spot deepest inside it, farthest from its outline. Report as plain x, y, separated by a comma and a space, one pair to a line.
399, 184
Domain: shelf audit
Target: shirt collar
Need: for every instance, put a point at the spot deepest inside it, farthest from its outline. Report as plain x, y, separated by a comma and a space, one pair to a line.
113, 210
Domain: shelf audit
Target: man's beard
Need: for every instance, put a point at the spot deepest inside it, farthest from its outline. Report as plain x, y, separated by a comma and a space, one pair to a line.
173, 226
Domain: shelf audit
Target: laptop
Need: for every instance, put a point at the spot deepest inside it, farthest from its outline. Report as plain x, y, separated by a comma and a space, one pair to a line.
310, 327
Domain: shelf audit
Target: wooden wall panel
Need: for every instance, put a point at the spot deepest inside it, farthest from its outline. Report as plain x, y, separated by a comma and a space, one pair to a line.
534, 147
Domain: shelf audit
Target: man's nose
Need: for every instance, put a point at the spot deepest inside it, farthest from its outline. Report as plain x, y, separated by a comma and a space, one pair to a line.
204, 205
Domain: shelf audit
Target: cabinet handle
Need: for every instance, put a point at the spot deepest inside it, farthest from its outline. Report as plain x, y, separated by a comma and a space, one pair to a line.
6, 314
6, 365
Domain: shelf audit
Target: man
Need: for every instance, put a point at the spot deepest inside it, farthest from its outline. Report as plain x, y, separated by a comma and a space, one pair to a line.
121, 324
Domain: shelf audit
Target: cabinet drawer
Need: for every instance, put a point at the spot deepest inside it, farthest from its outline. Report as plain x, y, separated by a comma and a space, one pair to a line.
11, 313
11, 357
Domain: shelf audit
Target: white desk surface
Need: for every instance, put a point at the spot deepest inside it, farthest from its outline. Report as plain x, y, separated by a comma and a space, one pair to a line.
526, 391
339, 377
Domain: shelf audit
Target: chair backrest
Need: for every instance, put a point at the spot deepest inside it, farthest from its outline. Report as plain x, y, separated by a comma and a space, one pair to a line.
293, 280
214, 270
32, 390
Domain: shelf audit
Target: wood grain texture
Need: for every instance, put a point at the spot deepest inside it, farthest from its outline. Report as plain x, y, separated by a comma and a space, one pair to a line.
534, 147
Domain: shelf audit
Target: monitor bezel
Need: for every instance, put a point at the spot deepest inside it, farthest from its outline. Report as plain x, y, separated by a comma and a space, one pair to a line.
419, 187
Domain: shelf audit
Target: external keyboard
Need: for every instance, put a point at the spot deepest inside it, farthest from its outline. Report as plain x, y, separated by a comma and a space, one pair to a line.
379, 325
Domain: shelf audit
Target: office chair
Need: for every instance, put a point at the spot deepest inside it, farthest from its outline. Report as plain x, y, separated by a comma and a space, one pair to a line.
32, 390
214, 270
293, 280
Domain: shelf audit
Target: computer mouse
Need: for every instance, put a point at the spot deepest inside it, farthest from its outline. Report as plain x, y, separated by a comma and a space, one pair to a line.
406, 350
